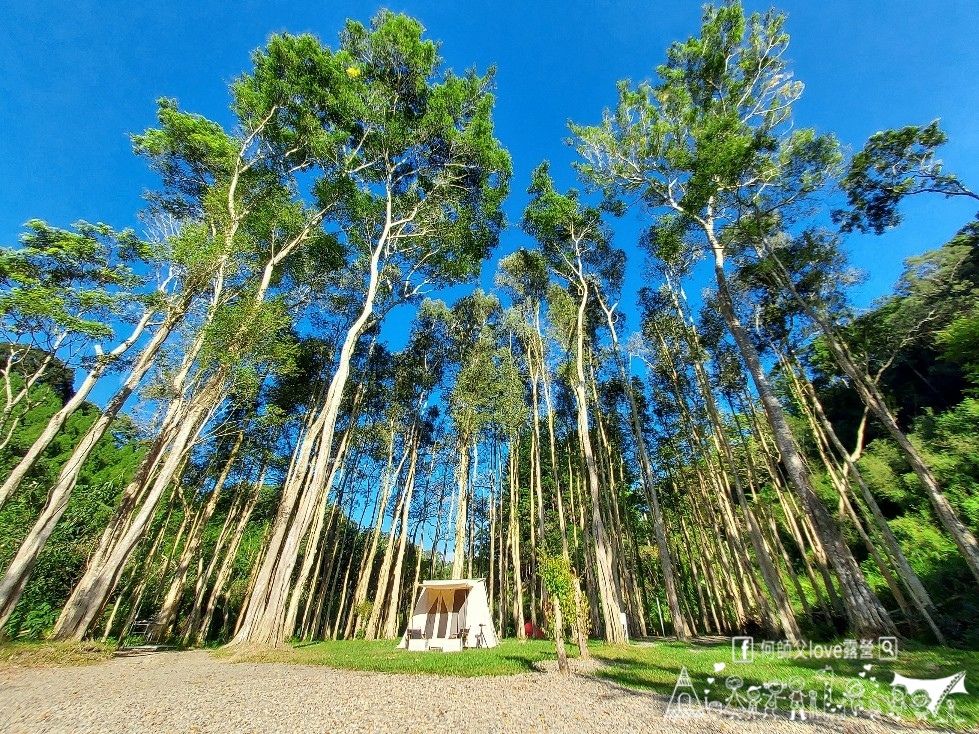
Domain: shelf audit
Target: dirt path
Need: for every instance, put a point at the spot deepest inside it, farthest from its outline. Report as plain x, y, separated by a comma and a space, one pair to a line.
194, 692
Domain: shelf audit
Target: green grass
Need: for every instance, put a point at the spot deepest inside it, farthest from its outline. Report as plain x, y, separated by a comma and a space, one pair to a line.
656, 667
381, 656
36, 654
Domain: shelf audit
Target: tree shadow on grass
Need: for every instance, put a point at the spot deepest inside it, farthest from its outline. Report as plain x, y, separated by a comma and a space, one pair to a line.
524, 663
634, 674
144, 650
309, 643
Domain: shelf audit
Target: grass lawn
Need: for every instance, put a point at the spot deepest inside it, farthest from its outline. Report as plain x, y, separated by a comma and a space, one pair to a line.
656, 666
653, 666
53, 654
381, 656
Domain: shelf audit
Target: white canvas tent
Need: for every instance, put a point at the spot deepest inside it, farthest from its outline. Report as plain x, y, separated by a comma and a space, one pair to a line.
450, 615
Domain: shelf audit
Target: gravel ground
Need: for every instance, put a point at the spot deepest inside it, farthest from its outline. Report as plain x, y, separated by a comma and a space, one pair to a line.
195, 692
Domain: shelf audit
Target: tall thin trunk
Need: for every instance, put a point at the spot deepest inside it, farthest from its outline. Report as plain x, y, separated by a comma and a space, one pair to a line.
400, 519
325, 561
140, 574
301, 584
865, 614
789, 509
353, 531
773, 580
356, 619
171, 602
264, 616
871, 396
92, 591
514, 542
579, 628
503, 559
494, 493
537, 354
824, 429
57, 421
462, 505
397, 581
22, 565
605, 576
199, 623
649, 486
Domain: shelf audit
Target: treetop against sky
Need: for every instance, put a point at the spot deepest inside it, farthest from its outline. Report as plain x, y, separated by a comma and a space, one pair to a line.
80, 77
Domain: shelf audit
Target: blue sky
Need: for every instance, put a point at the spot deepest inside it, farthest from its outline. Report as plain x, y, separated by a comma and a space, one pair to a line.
77, 77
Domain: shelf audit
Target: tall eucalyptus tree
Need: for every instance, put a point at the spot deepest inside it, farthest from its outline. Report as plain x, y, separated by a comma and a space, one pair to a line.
410, 153
239, 193
575, 244
707, 146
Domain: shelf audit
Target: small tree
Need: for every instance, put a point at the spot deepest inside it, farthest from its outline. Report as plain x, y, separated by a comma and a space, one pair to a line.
363, 612
555, 573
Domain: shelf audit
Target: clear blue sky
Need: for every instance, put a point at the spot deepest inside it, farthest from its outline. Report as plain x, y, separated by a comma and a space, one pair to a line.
78, 76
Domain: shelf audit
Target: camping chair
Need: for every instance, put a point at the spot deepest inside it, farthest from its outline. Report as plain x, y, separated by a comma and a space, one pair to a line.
141, 626
417, 640
454, 641
144, 627
147, 628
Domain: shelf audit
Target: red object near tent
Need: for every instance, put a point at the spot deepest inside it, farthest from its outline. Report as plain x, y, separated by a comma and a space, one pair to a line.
533, 632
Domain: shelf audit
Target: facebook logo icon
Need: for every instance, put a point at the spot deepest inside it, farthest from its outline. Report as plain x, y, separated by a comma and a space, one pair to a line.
742, 649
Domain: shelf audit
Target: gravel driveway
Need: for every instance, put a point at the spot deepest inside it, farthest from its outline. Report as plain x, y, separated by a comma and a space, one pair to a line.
195, 692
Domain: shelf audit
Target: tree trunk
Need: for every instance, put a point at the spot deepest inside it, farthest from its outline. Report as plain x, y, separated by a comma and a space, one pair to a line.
263, 617
773, 580
462, 505
865, 614
871, 396
301, 585
394, 602
22, 565
824, 428
384, 574
90, 594
199, 623
57, 421
562, 653
171, 603
356, 620
514, 538
649, 487
605, 578
142, 573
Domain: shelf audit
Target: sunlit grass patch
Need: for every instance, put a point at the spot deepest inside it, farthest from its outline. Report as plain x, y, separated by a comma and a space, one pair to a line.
657, 666
509, 658
53, 654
